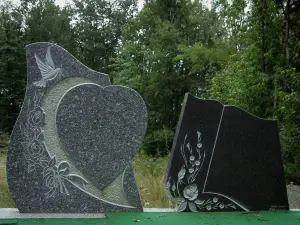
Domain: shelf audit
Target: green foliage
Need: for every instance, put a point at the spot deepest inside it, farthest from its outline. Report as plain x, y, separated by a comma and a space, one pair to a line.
145, 64
240, 83
98, 26
157, 60
263, 75
12, 64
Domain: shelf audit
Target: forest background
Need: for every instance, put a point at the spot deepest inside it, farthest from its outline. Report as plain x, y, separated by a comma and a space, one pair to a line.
241, 52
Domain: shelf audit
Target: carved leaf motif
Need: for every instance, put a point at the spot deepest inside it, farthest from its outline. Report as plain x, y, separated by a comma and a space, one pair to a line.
50, 181
188, 145
181, 173
35, 98
51, 192
52, 162
46, 171
24, 144
62, 187
182, 206
199, 201
173, 187
169, 195
233, 206
193, 207
44, 163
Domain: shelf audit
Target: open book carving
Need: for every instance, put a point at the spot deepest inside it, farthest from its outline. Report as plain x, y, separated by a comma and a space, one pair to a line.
225, 159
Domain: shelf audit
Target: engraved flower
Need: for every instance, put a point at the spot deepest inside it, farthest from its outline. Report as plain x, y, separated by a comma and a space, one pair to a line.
199, 145
35, 147
192, 158
191, 170
190, 192
197, 162
215, 199
36, 116
35, 150
221, 206
208, 207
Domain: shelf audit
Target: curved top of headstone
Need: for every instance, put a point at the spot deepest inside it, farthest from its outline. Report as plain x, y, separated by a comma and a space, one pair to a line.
54, 58
72, 145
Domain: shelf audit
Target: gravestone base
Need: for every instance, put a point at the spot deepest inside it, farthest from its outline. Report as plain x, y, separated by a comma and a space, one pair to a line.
151, 217
13, 213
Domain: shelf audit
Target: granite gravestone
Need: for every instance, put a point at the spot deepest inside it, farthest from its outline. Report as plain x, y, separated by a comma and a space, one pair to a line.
75, 137
225, 159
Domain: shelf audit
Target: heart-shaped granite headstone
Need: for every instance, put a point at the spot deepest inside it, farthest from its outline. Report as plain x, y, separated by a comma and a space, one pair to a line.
101, 129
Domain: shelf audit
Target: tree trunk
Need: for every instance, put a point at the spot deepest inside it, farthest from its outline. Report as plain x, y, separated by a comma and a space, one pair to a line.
287, 31
263, 34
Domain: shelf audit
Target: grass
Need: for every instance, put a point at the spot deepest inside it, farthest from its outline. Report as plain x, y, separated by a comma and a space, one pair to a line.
149, 175
5, 196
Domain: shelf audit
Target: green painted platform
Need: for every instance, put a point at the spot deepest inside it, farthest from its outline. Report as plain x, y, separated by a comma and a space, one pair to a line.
167, 218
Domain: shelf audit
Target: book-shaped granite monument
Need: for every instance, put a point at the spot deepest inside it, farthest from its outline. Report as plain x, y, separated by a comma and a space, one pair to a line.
225, 159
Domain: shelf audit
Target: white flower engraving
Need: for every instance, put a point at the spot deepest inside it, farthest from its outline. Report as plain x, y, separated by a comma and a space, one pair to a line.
184, 190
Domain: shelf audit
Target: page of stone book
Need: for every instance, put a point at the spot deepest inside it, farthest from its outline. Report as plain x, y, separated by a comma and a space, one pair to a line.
225, 159
72, 145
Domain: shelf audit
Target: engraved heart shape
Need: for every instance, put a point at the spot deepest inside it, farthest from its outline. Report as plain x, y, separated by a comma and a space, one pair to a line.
101, 129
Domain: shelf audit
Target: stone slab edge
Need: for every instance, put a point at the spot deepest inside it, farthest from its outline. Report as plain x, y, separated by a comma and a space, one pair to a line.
13, 213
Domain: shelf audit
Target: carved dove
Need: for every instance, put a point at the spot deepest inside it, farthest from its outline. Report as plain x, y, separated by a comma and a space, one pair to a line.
47, 69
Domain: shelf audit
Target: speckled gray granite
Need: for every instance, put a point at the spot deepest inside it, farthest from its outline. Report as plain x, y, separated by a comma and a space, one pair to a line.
72, 145
13, 213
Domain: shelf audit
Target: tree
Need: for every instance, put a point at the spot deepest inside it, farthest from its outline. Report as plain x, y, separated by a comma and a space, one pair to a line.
98, 26
262, 77
155, 59
12, 64
47, 22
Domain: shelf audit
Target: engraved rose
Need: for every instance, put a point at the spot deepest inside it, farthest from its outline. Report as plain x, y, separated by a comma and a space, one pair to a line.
36, 116
35, 149
190, 192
